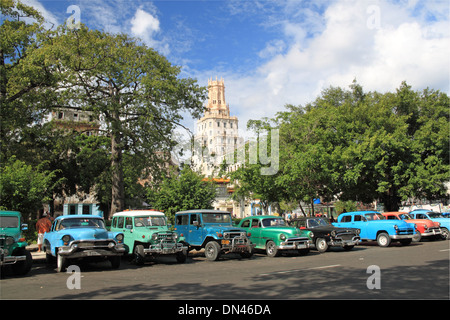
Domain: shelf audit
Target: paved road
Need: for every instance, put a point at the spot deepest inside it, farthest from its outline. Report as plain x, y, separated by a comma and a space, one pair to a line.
418, 271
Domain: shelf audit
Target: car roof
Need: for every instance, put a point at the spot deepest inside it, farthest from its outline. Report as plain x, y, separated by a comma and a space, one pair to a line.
74, 216
139, 213
361, 212
202, 211
263, 216
9, 213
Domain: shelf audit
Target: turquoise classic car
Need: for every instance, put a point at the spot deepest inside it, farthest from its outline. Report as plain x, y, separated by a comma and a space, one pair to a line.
213, 231
12, 245
374, 226
147, 234
272, 234
75, 237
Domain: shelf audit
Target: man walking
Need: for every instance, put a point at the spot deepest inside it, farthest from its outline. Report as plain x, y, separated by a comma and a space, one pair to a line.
43, 225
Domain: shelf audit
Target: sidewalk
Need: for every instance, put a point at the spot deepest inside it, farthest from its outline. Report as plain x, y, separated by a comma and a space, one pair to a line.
33, 248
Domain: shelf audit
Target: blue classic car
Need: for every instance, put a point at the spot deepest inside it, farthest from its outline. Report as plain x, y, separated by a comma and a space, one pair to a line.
82, 237
213, 231
374, 226
436, 217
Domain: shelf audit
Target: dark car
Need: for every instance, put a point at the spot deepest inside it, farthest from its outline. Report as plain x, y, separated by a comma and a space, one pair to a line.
326, 235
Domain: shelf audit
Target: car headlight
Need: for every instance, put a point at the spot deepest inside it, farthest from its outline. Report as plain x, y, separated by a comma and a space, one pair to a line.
9, 241
119, 237
395, 227
155, 236
175, 236
333, 233
66, 239
311, 234
283, 236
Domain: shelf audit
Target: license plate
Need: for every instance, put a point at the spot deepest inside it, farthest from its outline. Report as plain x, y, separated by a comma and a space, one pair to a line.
225, 241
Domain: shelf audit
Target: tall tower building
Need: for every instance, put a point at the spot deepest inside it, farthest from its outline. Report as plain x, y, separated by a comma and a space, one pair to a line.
217, 131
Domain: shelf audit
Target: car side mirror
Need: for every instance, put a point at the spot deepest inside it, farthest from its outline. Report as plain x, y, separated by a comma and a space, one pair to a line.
24, 227
129, 226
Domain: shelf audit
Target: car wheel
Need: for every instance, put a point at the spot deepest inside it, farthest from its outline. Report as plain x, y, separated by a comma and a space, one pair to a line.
139, 255
212, 251
23, 267
181, 256
445, 234
417, 237
61, 263
115, 262
271, 249
321, 245
383, 239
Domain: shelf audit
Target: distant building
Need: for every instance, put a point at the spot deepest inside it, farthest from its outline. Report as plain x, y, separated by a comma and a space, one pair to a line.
70, 119
216, 132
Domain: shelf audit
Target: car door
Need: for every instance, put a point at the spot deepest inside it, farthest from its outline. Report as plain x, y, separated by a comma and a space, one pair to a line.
360, 222
195, 229
256, 233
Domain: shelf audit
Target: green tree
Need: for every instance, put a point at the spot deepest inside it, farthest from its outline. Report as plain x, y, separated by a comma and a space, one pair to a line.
367, 146
24, 188
182, 191
26, 76
134, 91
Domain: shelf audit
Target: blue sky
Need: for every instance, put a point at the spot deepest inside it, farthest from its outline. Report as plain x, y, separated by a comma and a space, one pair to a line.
271, 53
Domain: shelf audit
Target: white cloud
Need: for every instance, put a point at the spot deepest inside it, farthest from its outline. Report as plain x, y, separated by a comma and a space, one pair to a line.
402, 45
144, 24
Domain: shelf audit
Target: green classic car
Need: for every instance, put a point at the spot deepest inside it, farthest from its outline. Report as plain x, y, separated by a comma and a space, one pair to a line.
147, 234
12, 244
271, 233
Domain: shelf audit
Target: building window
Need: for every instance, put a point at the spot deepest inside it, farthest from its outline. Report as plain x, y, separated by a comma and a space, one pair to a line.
60, 115
218, 124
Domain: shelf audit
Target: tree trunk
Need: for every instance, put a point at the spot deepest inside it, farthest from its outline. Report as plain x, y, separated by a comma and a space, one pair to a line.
118, 191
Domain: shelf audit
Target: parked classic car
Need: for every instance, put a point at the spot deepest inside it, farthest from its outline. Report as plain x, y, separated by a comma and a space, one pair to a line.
75, 237
426, 228
271, 233
435, 217
213, 231
326, 235
374, 226
146, 233
12, 245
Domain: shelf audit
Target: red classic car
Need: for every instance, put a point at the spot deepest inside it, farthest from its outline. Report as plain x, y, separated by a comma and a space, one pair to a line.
426, 228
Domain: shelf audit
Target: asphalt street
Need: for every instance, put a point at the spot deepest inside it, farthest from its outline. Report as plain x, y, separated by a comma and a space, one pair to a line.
418, 271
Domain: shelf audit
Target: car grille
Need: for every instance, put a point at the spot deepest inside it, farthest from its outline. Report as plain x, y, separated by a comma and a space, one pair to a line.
405, 231
291, 241
93, 244
232, 234
166, 237
346, 235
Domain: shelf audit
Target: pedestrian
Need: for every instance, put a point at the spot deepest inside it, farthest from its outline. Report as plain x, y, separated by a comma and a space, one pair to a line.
43, 225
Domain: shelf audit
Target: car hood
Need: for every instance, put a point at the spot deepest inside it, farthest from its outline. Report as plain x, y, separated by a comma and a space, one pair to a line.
222, 227
287, 230
331, 228
427, 222
87, 233
9, 232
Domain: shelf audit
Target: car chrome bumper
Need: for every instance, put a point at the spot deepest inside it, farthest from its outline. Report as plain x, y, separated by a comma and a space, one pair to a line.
336, 242
237, 244
433, 232
401, 236
295, 245
6, 260
91, 248
165, 248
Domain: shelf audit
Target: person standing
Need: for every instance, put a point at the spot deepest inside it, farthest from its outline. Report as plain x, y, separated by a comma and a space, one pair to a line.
43, 225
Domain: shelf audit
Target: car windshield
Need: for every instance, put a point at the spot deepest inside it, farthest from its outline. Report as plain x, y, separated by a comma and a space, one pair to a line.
374, 216
405, 216
216, 217
149, 221
9, 222
270, 222
317, 222
80, 223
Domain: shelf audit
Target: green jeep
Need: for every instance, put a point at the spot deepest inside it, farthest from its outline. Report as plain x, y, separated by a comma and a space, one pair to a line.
146, 233
12, 245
